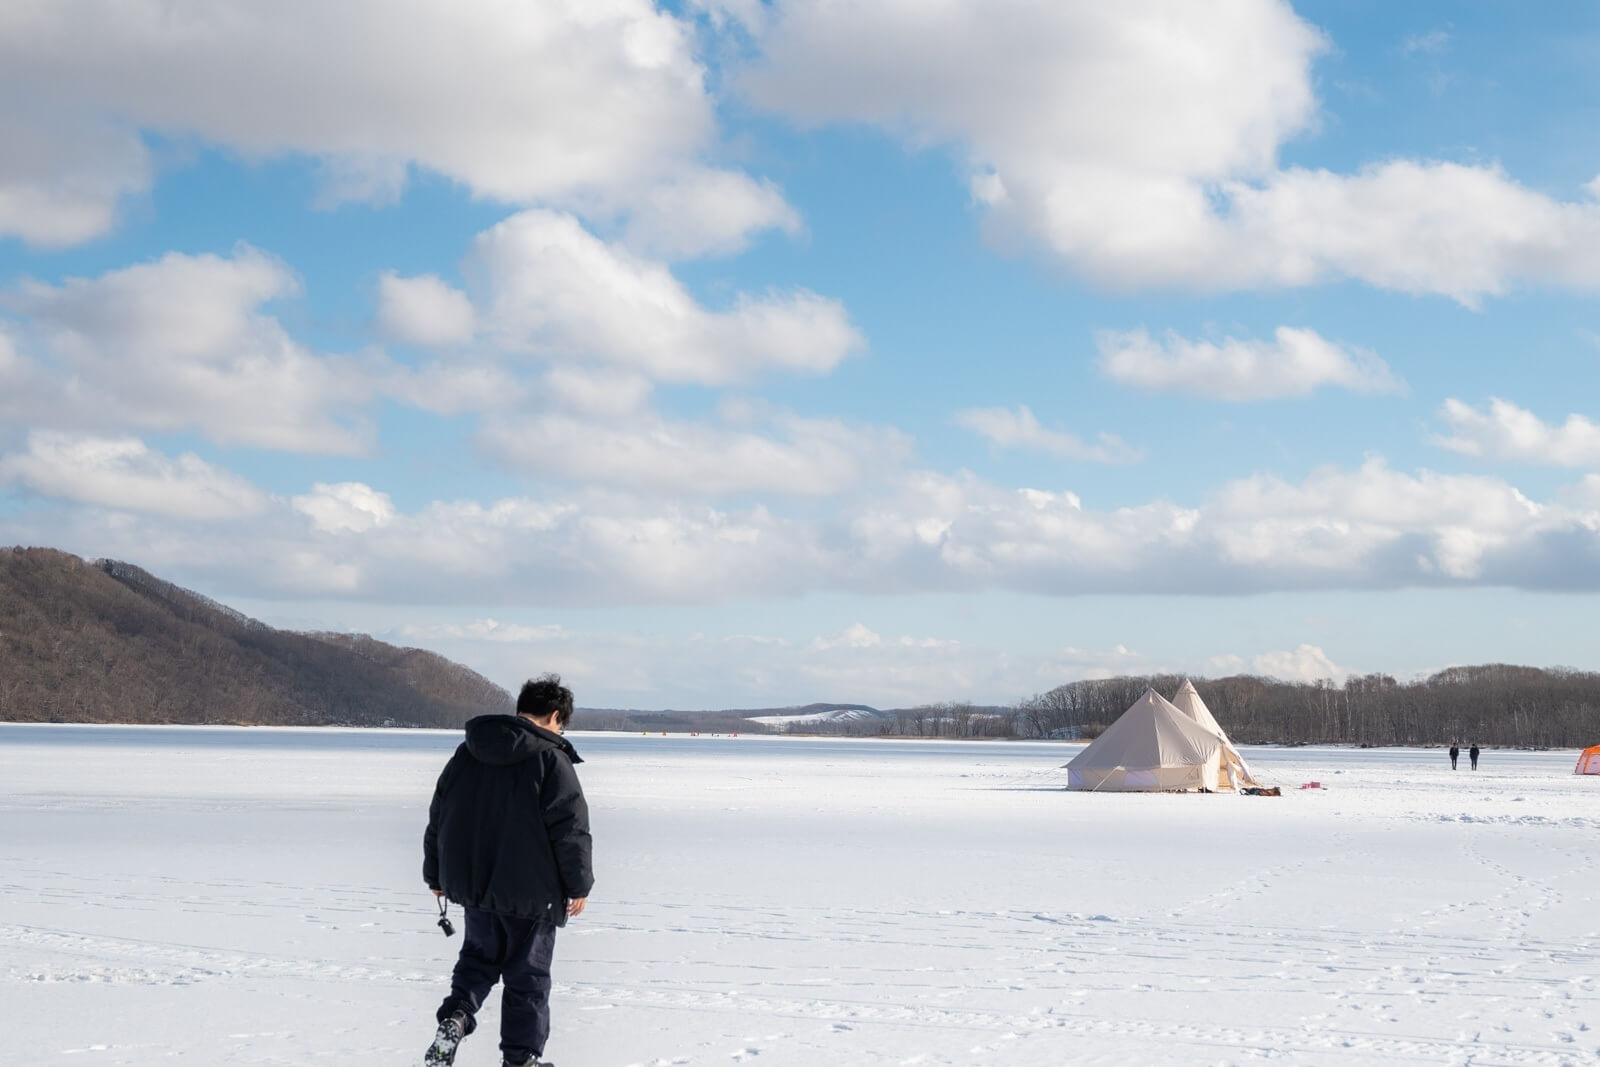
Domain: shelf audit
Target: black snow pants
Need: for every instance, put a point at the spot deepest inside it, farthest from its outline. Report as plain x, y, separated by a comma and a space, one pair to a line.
518, 951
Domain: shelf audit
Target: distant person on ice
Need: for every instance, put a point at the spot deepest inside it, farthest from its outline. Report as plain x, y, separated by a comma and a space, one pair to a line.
508, 840
1455, 754
1472, 754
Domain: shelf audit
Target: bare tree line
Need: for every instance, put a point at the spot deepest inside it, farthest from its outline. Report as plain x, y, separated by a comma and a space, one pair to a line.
1493, 704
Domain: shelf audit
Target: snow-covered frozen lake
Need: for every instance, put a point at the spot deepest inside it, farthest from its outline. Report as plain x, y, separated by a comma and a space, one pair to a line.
252, 896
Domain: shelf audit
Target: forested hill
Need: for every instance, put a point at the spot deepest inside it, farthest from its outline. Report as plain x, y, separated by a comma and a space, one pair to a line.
109, 642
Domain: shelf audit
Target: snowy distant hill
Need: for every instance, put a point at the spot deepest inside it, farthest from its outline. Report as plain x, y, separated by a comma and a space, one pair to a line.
727, 719
857, 719
812, 714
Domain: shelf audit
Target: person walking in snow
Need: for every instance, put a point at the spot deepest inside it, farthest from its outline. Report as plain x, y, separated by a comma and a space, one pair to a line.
1472, 754
508, 839
1455, 754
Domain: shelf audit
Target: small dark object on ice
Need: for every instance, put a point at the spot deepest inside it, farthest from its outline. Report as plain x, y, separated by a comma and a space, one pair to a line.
1257, 791
531, 1061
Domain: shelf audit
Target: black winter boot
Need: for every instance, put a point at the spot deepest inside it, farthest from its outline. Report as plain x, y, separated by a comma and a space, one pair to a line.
531, 1061
442, 1053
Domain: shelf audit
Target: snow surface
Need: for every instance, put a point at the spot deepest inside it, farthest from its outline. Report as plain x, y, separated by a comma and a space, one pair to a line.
251, 896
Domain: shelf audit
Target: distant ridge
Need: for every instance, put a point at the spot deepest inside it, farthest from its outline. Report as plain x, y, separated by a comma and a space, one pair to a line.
853, 711
107, 641
866, 710
861, 719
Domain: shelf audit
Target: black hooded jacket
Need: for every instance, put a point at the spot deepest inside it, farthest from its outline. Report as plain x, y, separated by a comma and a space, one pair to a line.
508, 830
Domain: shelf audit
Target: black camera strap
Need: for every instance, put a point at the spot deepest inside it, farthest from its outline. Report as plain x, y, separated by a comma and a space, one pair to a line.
444, 923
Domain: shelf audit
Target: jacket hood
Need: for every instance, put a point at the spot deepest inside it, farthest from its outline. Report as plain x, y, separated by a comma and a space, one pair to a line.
502, 739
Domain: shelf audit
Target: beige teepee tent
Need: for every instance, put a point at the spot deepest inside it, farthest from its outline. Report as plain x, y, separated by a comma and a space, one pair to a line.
1187, 700
1153, 746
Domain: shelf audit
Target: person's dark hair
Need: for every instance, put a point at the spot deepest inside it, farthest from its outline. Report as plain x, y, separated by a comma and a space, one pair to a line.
544, 695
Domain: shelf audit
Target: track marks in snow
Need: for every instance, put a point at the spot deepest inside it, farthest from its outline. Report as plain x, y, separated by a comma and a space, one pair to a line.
1024, 986
1573, 822
42, 955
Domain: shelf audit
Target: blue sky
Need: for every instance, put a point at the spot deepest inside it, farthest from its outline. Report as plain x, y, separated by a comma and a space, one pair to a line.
728, 354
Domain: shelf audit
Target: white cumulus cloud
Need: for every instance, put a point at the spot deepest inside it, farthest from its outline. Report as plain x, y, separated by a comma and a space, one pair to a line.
556, 291
61, 181
1021, 429
345, 506
1305, 663
707, 212
1339, 520
1506, 431
183, 342
126, 474
1138, 142
589, 104
452, 387
424, 310
1413, 226
1295, 363
596, 391
648, 453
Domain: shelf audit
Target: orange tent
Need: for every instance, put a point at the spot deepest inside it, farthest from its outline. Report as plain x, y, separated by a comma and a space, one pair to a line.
1589, 761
